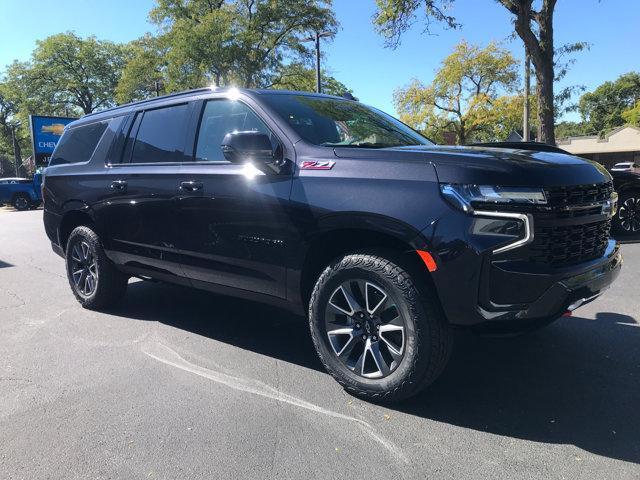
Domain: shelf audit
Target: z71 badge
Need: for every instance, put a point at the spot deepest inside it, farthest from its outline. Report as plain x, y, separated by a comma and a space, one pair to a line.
311, 165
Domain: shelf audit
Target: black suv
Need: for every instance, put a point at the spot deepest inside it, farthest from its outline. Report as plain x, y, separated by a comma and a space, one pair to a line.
336, 211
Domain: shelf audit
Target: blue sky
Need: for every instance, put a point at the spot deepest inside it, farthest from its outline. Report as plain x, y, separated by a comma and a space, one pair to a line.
357, 56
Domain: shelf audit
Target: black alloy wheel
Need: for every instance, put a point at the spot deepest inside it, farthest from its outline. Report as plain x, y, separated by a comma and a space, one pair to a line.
628, 216
365, 328
84, 269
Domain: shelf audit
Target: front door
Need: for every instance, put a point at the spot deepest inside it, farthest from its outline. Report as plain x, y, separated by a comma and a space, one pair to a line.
234, 220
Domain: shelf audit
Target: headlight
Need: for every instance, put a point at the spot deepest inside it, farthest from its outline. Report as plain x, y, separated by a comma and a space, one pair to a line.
465, 196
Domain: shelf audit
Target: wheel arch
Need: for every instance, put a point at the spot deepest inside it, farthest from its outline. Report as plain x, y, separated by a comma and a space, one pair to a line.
75, 215
629, 188
330, 243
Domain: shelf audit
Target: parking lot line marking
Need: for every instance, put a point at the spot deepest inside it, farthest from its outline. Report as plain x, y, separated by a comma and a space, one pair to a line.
168, 356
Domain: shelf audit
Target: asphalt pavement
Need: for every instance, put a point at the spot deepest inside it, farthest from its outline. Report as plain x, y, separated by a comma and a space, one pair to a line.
182, 384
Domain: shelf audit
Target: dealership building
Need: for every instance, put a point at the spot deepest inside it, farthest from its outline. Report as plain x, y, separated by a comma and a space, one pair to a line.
619, 145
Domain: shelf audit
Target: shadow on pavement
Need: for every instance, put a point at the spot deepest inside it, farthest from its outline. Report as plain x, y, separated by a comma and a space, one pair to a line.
248, 325
5, 264
574, 382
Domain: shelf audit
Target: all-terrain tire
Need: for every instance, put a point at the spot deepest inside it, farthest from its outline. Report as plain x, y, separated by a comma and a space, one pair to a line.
428, 341
110, 284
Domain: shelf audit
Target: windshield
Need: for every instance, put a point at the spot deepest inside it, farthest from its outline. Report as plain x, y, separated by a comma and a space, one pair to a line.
334, 122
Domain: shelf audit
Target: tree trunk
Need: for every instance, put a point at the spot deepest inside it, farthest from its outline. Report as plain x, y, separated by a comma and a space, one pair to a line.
462, 134
545, 75
541, 50
546, 114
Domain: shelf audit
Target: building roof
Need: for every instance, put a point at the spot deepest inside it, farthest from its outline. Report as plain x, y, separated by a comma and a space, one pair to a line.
622, 139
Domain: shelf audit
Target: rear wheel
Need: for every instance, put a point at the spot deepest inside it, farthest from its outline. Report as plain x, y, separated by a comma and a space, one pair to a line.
376, 332
94, 280
627, 219
21, 202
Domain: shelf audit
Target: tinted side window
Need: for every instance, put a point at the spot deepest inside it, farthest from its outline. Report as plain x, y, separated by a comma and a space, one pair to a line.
161, 136
131, 138
77, 144
219, 118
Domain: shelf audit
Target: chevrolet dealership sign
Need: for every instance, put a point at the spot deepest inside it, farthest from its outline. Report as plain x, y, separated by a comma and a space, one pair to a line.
45, 133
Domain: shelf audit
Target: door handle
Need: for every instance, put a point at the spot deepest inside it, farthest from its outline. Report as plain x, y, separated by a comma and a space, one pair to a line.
191, 186
119, 185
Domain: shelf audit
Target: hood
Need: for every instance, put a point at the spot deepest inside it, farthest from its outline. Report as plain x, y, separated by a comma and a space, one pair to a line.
493, 166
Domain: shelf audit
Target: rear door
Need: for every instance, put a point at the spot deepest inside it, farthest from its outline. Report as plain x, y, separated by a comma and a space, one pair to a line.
234, 220
138, 211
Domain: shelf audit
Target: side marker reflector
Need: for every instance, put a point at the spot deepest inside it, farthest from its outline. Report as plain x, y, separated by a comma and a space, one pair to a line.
428, 260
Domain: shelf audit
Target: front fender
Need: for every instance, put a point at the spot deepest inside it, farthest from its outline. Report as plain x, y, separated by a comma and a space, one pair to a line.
375, 223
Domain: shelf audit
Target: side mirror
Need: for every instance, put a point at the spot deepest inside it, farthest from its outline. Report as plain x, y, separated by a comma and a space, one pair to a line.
253, 147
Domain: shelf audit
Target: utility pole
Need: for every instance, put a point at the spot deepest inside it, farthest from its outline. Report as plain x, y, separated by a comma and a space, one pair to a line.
527, 89
316, 38
318, 80
16, 158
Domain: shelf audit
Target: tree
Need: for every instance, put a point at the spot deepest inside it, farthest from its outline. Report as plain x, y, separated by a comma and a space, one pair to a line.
463, 95
504, 117
241, 42
563, 61
533, 25
603, 109
569, 129
68, 72
11, 124
145, 72
632, 116
297, 76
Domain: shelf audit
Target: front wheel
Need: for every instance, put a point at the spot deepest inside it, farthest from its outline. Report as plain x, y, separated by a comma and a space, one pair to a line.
379, 334
94, 280
627, 219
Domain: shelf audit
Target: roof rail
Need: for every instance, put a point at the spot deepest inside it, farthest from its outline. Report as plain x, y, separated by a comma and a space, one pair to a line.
148, 100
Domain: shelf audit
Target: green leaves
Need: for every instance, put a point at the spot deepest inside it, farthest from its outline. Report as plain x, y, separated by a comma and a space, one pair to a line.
237, 42
66, 71
394, 17
247, 43
611, 104
145, 71
464, 94
632, 116
297, 76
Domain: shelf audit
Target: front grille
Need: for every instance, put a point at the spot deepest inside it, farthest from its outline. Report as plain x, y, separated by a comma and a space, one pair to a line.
575, 195
567, 245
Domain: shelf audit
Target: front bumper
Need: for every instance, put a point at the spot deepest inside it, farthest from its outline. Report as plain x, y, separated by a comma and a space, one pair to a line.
562, 291
483, 290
